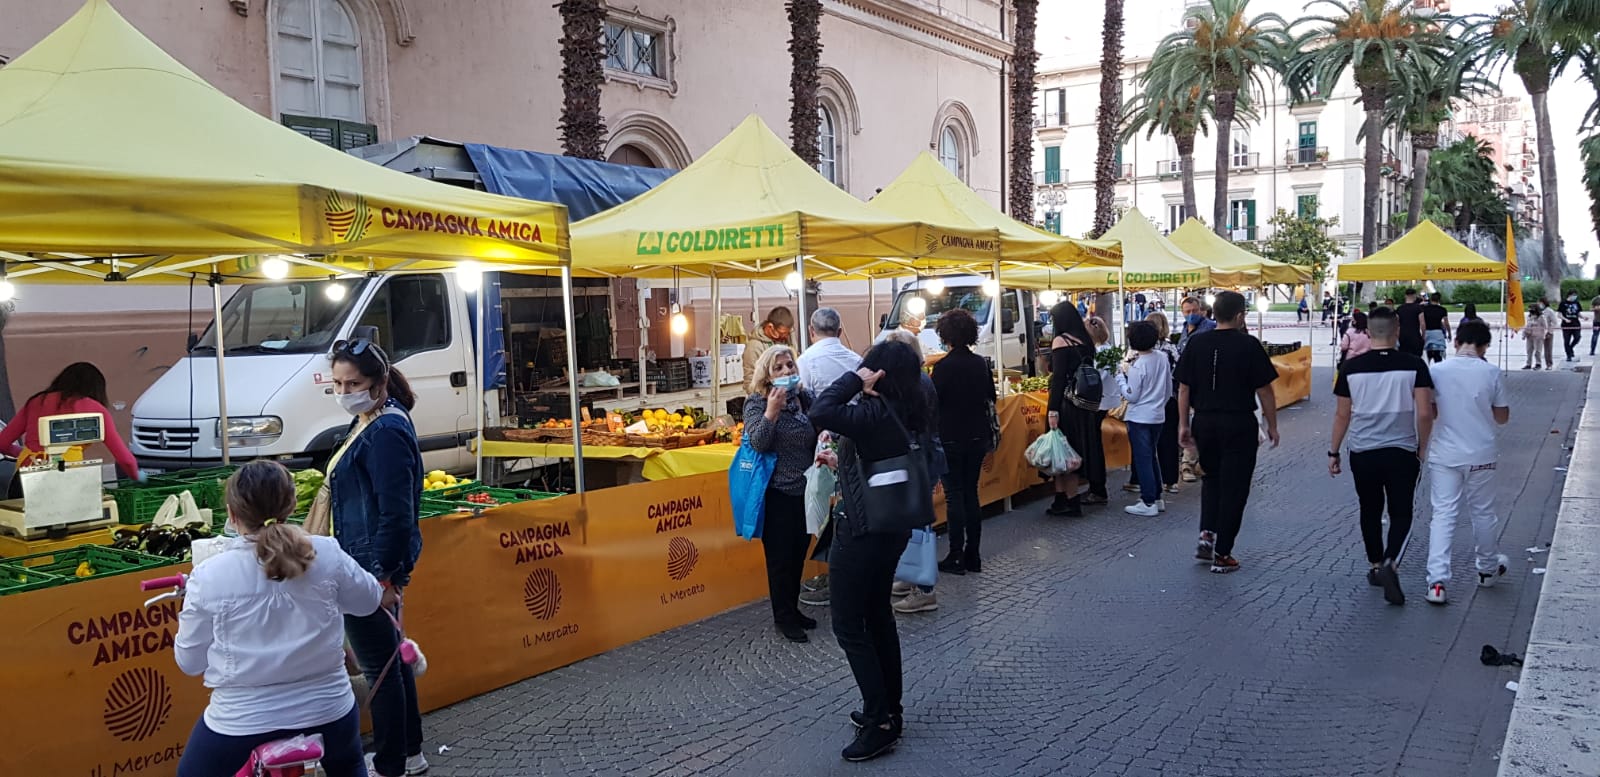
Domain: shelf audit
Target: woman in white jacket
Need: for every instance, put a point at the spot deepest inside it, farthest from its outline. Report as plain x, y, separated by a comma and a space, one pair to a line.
1145, 379
263, 620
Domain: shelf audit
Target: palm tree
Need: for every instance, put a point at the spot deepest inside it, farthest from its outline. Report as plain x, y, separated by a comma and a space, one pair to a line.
1386, 45
805, 50
1537, 41
1222, 44
1106, 118
1421, 109
583, 57
1023, 59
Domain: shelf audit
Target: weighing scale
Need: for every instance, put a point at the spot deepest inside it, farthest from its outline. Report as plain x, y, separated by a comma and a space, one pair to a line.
62, 489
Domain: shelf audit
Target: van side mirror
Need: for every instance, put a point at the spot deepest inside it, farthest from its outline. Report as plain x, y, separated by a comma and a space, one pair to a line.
193, 340
883, 321
1008, 320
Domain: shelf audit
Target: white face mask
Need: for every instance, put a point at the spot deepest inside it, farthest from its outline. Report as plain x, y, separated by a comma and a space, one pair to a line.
358, 402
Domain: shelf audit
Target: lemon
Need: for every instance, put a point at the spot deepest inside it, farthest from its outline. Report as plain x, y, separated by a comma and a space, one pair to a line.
675, 417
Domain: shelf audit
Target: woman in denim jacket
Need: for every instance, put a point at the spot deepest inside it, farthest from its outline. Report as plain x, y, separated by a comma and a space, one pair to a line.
375, 485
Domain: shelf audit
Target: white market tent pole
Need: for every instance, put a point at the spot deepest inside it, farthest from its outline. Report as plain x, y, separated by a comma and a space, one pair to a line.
996, 312
222, 372
569, 321
478, 373
716, 345
801, 331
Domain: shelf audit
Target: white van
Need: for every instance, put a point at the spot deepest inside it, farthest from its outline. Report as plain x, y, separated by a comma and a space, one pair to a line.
1017, 315
280, 397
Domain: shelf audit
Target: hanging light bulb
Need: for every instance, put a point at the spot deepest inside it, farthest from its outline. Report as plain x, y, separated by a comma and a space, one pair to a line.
916, 305
7, 290
275, 268
991, 287
336, 292
1049, 297
934, 286
470, 275
1211, 299
792, 280
679, 322
1261, 303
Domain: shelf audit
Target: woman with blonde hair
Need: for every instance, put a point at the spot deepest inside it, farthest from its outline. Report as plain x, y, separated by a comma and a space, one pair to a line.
775, 422
263, 621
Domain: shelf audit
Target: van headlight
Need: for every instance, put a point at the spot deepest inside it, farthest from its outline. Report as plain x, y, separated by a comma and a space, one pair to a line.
251, 432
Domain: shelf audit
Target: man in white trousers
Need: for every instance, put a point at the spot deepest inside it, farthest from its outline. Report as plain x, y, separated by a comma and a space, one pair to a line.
1470, 399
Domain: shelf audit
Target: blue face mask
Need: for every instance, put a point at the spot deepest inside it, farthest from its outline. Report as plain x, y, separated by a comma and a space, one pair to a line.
787, 382
1194, 319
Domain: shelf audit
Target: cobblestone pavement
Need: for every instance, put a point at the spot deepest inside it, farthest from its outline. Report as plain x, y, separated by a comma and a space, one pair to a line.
1093, 646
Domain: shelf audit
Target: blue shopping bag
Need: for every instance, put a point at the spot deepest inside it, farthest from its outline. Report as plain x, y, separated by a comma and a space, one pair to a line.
747, 489
919, 564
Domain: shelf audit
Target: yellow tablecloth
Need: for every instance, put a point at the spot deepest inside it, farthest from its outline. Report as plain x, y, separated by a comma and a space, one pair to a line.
659, 464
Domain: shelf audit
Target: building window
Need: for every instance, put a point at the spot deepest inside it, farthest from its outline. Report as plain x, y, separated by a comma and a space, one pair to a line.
639, 49
1306, 150
1242, 219
1053, 111
318, 54
1175, 216
1240, 139
629, 154
827, 145
1052, 164
1305, 206
951, 154
1052, 221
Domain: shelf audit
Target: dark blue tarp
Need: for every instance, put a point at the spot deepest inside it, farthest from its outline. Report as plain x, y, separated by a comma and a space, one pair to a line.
584, 186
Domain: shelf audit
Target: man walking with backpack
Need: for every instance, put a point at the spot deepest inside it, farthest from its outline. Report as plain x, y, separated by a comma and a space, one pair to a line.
1222, 374
1386, 410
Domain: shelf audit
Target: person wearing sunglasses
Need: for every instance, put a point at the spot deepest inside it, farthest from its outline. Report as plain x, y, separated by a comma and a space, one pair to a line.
372, 495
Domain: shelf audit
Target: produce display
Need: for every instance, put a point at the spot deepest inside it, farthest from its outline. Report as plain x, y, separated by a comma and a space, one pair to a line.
307, 482
439, 480
1034, 383
660, 420
171, 542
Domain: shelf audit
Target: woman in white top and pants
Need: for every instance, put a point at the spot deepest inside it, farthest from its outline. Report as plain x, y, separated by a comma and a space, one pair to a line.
263, 620
1146, 382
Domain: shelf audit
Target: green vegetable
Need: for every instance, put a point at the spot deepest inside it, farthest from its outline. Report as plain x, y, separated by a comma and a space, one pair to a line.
306, 484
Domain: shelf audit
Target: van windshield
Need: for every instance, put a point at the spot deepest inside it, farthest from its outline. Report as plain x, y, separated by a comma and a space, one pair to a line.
971, 298
290, 317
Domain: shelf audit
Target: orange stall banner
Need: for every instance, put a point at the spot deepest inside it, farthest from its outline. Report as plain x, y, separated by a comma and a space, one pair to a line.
91, 686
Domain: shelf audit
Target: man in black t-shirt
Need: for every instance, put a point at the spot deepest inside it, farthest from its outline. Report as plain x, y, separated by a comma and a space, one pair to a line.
1571, 324
1410, 315
1436, 328
1221, 376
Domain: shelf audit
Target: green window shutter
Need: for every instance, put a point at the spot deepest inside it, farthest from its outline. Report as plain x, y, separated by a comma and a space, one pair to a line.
342, 135
1306, 206
1052, 164
1118, 161
1308, 134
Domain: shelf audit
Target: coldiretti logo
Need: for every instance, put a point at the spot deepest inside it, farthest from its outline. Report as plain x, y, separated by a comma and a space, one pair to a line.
706, 240
349, 221
1163, 278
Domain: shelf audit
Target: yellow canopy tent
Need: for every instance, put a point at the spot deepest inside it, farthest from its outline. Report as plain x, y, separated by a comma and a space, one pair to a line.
748, 207
926, 190
110, 147
1425, 253
1222, 254
1149, 261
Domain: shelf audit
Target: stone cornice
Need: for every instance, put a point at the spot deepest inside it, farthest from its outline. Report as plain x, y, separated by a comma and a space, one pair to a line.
949, 28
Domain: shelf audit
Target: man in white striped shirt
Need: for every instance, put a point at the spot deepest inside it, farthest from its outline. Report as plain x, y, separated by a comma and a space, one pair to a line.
1386, 409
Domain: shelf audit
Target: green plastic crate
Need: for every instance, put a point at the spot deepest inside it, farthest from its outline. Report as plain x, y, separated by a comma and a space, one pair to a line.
208, 485
459, 494
63, 564
139, 503
430, 507
15, 579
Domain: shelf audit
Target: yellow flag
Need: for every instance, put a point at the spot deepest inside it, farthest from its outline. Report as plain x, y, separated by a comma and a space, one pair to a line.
1516, 317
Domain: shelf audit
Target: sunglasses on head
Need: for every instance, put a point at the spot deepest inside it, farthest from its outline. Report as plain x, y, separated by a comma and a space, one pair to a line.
353, 347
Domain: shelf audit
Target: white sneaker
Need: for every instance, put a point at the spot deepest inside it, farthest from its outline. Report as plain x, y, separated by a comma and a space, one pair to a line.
416, 765
1436, 593
917, 601
1486, 579
1161, 505
1141, 508
902, 589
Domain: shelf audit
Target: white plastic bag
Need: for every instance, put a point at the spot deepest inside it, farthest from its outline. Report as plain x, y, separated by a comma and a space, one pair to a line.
820, 481
1052, 455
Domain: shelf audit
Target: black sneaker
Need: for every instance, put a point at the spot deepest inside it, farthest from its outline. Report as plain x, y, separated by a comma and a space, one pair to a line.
1092, 498
859, 720
952, 565
871, 742
793, 632
806, 622
1389, 576
1373, 579
972, 563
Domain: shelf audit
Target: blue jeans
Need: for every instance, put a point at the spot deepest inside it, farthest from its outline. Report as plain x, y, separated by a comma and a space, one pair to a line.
1142, 439
210, 754
396, 723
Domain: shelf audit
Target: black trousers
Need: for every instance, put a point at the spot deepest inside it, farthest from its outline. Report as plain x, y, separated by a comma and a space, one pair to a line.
1227, 443
1167, 450
1385, 475
860, 574
784, 541
1569, 340
1094, 459
963, 510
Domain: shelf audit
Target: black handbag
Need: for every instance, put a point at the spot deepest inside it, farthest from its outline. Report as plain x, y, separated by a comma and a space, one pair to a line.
898, 491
